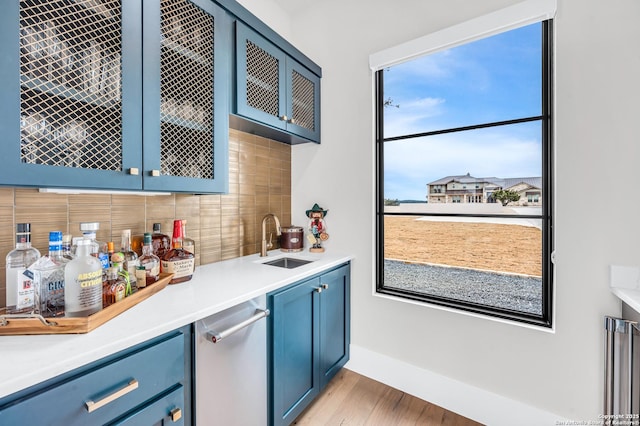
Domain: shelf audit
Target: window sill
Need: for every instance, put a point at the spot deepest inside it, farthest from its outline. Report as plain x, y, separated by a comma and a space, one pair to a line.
471, 314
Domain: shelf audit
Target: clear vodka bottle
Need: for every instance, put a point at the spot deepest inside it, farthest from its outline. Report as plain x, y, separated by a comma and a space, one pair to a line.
188, 244
98, 248
130, 258
83, 282
20, 291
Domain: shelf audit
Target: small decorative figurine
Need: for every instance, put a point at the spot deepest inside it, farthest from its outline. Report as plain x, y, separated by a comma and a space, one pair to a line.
317, 227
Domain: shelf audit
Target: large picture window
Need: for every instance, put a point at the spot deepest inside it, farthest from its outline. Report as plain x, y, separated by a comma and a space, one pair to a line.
464, 214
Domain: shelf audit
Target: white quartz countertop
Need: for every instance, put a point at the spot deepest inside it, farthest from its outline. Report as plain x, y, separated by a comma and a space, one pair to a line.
625, 283
28, 360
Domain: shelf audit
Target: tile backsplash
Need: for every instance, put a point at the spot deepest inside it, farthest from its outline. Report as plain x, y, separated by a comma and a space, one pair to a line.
223, 226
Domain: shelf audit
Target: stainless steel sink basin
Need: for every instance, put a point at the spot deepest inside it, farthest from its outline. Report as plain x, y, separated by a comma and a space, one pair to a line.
287, 262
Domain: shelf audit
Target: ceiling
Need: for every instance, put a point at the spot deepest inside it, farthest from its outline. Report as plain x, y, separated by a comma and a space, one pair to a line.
295, 6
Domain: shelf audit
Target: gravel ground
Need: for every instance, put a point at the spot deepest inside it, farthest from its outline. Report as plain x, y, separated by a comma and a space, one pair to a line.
520, 293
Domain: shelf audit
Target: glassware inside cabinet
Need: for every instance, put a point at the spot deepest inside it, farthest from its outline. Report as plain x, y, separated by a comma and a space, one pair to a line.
71, 110
186, 103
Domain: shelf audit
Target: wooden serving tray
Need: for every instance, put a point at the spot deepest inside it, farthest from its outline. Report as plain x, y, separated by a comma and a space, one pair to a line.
11, 326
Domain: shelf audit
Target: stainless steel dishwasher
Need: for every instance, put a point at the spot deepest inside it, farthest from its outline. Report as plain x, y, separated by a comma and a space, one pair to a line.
231, 366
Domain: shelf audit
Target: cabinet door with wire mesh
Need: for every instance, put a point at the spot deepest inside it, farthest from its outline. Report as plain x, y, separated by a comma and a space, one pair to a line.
303, 101
273, 88
69, 106
261, 79
186, 97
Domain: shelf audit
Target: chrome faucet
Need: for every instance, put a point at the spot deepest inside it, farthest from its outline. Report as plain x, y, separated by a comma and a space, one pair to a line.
263, 249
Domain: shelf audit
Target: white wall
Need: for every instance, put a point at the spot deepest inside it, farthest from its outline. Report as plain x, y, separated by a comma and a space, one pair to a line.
597, 146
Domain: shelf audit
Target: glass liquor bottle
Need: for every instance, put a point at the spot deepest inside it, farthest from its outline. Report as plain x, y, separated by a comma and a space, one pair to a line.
110, 251
136, 244
48, 277
149, 270
83, 282
130, 258
177, 261
20, 292
161, 242
113, 288
66, 246
117, 261
187, 243
98, 248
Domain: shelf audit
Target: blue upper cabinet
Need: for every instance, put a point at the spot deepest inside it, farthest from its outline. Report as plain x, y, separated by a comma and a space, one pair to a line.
275, 90
100, 95
186, 98
71, 106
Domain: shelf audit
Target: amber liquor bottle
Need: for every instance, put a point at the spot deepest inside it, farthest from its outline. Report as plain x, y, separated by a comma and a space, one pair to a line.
160, 242
114, 288
178, 261
149, 270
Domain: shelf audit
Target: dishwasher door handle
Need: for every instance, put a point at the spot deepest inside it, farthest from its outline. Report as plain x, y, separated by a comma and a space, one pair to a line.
216, 336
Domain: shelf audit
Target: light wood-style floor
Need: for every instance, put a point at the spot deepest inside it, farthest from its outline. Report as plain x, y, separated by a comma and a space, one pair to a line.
352, 399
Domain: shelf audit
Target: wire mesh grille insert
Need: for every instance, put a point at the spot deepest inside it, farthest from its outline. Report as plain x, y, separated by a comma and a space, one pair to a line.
187, 90
262, 80
303, 101
70, 76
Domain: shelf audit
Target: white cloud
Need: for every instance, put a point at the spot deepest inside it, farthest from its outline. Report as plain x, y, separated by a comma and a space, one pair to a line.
411, 164
408, 117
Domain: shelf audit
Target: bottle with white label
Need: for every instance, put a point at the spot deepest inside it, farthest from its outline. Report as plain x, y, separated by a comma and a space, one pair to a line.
48, 277
178, 261
83, 282
20, 288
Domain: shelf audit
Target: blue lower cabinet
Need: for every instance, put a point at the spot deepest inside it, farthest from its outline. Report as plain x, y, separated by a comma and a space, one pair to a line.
146, 384
334, 323
308, 342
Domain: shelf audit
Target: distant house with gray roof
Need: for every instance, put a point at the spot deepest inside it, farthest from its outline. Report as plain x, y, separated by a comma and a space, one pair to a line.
470, 189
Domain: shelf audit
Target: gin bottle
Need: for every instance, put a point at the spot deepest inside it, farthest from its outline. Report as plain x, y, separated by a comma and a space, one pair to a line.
178, 261
83, 282
48, 277
20, 291
149, 270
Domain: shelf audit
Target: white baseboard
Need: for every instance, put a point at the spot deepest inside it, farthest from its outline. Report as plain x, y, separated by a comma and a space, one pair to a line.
469, 401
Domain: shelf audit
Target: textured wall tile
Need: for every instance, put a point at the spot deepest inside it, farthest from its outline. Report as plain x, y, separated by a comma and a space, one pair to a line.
222, 226
7, 196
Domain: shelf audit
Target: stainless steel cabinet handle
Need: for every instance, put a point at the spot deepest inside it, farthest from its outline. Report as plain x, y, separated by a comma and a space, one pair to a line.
292, 121
134, 171
284, 118
319, 289
93, 406
155, 173
216, 336
325, 286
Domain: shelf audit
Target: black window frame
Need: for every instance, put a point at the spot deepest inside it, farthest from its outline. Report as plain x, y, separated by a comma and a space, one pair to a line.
546, 119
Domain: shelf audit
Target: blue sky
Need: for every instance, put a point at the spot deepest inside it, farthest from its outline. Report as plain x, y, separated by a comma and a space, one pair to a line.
494, 79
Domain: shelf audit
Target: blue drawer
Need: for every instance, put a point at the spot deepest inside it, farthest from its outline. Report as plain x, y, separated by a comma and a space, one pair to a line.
166, 409
123, 383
